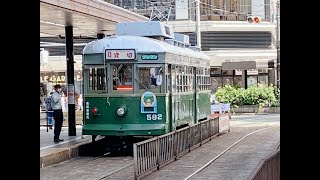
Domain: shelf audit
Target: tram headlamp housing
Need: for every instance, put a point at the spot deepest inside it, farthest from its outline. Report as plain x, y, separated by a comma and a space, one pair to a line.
121, 111
95, 111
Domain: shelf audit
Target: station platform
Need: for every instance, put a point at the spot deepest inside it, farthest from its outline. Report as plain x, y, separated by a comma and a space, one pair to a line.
52, 153
237, 163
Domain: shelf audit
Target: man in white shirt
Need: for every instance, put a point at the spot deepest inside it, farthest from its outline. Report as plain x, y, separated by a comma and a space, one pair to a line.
57, 112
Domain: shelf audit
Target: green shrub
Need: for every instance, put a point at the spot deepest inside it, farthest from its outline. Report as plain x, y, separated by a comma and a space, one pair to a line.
262, 96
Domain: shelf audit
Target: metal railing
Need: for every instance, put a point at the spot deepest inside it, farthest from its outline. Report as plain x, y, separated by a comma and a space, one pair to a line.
270, 169
151, 154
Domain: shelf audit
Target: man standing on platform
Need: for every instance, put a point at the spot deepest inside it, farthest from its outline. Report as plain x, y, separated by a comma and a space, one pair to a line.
57, 112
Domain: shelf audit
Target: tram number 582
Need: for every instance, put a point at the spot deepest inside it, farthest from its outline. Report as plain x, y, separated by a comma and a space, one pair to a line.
154, 117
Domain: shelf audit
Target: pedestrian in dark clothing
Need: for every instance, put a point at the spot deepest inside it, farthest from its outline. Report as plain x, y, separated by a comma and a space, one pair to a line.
57, 112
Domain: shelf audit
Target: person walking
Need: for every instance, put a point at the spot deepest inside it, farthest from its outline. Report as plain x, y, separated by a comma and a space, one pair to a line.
80, 103
57, 112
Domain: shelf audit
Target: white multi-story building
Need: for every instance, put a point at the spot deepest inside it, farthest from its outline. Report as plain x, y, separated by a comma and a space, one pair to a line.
210, 9
226, 36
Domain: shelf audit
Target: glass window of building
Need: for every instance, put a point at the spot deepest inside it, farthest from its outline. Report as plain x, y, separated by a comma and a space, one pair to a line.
215, 71
252, 81
215, 83
227, 72
263, 80
49, 79
227, 80
237, 81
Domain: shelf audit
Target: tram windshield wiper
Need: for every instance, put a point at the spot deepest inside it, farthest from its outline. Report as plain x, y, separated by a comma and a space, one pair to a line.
141, 83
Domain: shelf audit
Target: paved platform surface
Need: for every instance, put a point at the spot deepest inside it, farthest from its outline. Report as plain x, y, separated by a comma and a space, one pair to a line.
52, 153
46, 138
43, 118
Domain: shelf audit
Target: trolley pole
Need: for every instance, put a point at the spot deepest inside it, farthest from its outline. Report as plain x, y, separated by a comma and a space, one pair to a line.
198, 24
278, 43
70, 78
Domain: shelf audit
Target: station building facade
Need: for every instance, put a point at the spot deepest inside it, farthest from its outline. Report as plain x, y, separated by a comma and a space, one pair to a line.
55, 72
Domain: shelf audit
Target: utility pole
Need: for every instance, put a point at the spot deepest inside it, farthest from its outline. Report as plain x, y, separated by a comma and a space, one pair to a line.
278, 43
198, 24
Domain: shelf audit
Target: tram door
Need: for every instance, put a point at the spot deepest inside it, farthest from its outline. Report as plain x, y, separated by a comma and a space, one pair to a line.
169, 89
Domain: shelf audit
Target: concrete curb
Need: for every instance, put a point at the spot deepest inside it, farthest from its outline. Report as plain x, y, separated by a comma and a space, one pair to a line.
52, 156
255, 110
244, 113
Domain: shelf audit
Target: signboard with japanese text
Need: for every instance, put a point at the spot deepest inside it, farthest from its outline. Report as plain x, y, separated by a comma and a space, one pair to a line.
149, 57
249, 72
224, 123
121, 54
71, 94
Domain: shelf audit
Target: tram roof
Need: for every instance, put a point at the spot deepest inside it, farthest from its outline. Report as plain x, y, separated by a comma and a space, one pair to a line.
141, 45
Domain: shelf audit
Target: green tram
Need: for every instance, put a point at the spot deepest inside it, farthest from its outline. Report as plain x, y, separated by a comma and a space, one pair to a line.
143, 81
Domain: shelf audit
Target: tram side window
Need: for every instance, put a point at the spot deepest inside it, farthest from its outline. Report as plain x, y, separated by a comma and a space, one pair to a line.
190, 79
180, 81
122, 78
97, 80
208, 78
168, 88
150, 78
204, 83
184, 78
174, 80
201, 79
199, 83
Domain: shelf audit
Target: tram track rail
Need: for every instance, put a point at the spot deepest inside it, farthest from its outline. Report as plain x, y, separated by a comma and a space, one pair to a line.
103, 162
117, 171
223, 152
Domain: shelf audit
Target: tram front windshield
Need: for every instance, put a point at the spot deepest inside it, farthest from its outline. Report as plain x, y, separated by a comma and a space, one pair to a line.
122, 77
146, 78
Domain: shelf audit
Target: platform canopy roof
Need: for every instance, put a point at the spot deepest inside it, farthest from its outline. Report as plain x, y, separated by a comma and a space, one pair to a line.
88, 17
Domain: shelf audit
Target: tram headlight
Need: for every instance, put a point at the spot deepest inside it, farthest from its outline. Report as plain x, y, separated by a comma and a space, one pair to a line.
121, 111
94, 110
